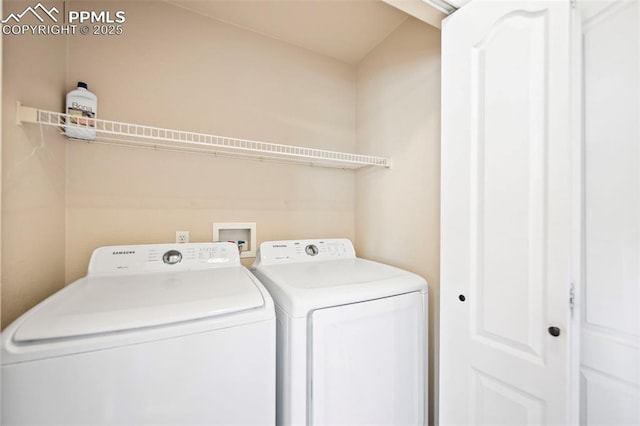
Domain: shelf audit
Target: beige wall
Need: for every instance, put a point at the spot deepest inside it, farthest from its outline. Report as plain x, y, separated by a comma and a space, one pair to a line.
398, 115
33, 172
176, 69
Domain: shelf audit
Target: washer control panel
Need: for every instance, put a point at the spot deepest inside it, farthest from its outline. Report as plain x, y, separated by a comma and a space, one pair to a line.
162, 257
292, 251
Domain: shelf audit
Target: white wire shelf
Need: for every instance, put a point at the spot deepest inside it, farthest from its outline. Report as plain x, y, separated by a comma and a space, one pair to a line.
135, 135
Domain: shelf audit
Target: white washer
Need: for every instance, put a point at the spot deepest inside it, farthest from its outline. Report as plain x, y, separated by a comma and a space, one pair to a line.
154, 334
352, 336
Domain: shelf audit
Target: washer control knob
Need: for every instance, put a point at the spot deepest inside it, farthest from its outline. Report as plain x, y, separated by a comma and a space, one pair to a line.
311, 250
172, 257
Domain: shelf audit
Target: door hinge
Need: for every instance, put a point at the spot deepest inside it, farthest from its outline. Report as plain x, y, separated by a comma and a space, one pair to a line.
572, 297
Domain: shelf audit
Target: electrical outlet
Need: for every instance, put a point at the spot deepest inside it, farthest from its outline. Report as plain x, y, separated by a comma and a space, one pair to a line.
182, 236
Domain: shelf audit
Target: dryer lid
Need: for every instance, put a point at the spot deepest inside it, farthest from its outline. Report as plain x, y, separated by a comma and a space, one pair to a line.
106, 304
301, 287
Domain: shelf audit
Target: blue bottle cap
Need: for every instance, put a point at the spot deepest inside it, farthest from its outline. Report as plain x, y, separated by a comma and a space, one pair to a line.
82, 84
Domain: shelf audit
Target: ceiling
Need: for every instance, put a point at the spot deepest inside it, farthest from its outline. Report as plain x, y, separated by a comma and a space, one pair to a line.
342, 29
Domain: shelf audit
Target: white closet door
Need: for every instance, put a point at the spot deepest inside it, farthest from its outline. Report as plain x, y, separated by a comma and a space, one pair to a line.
506, 213
610, 365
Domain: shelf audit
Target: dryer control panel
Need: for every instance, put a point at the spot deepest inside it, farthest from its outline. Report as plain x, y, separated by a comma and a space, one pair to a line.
294, 251
162, 257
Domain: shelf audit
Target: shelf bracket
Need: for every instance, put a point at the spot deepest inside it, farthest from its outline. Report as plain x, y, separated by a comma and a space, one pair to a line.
25, 114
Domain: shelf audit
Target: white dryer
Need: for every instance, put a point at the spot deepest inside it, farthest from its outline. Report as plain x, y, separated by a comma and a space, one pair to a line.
352, 336
154, 334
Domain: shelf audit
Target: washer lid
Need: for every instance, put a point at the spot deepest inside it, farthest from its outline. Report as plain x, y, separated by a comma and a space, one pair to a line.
104, 304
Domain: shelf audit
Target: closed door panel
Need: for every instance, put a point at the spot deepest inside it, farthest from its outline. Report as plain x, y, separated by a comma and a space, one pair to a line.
610, 344
368, 363
506, 213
